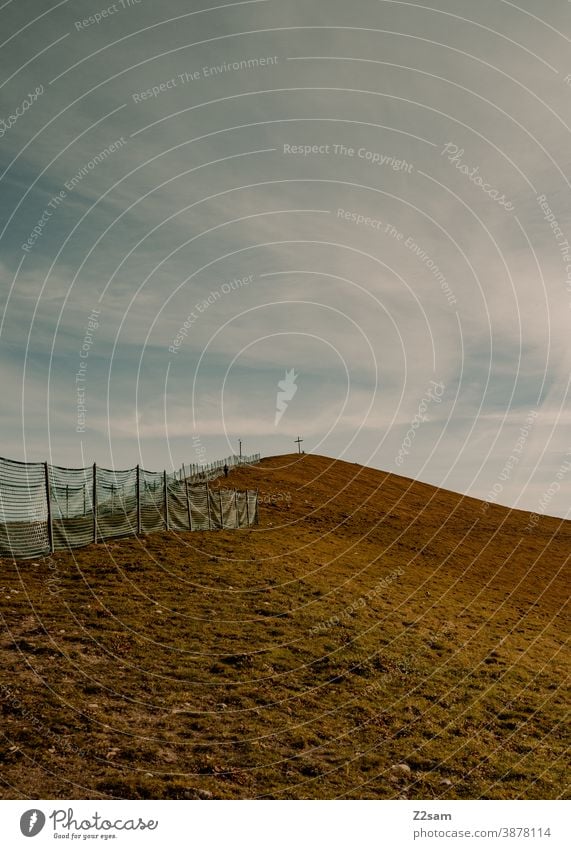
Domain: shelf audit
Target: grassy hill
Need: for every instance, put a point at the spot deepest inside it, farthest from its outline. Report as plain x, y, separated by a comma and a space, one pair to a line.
373, 637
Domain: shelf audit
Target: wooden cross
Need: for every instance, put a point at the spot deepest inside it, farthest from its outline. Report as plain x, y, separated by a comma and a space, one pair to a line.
299, 441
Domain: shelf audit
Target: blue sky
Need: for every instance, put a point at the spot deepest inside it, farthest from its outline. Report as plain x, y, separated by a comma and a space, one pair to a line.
370, 273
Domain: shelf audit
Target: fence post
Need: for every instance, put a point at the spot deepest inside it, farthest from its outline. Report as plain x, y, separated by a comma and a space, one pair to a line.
221, 511
138, 489
188, 505
208, 506
49, 508
236, 507
248, 507
257, 514
166, 500
94, 502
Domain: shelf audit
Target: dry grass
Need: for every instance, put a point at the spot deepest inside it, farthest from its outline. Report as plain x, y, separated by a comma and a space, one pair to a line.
369, 622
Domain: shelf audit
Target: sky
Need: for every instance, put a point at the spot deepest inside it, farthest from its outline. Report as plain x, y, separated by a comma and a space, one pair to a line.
268, 219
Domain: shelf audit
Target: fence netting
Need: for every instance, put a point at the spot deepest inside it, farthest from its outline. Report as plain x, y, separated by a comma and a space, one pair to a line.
44, 508
71, 492
23, 511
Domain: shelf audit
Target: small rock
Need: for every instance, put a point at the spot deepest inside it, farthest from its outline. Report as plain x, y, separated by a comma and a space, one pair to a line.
403, 769
204, 794
447, 782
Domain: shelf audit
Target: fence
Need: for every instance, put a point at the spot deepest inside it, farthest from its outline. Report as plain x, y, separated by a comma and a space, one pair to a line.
208, 471
44, 508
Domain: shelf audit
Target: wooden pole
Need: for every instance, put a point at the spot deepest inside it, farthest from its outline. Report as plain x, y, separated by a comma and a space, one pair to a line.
166, 500
138, 488
236, 507
221, 510
247, 507
208, 506
49, 509
94, 502
188, 505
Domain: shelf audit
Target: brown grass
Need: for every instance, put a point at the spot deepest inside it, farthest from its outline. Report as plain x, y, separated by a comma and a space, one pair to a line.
368, 622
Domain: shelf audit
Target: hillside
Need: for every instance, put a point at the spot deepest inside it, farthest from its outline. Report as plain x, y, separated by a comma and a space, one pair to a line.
373, 637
